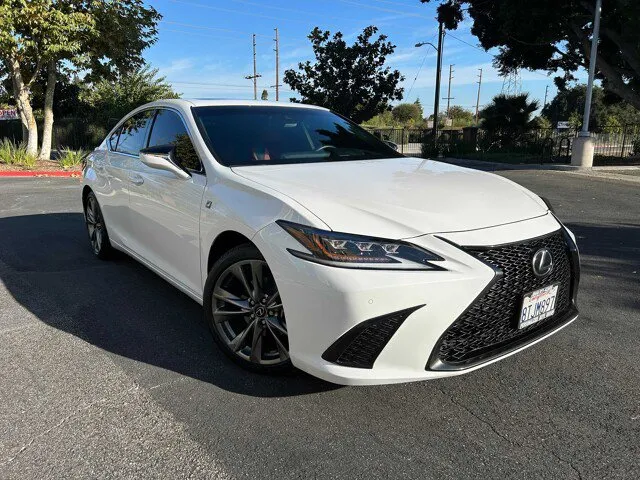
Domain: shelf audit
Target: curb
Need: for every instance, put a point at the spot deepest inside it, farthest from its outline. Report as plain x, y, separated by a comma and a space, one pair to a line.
40, 173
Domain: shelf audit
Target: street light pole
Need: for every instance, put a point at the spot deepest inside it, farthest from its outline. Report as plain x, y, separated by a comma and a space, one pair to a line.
436, 106
583, 147
592, 70
436, 102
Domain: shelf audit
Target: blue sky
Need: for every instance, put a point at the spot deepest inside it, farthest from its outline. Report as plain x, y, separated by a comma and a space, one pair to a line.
204, 47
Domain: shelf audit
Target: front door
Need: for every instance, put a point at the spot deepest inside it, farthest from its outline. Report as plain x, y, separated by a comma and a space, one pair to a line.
165, 209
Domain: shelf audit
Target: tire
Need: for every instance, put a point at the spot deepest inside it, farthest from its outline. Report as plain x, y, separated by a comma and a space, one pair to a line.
244, 312
96, 228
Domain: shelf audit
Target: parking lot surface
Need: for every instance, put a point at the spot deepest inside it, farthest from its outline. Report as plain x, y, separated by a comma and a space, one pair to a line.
108, 371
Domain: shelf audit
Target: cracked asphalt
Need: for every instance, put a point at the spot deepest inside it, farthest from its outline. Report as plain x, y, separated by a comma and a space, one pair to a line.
106, 371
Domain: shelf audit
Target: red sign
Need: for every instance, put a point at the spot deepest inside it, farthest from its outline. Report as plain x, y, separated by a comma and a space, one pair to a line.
9, 114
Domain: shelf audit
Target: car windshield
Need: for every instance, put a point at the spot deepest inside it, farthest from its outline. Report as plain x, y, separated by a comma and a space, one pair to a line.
252, 135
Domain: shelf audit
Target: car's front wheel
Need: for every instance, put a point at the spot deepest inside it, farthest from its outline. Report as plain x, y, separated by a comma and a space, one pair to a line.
244, 311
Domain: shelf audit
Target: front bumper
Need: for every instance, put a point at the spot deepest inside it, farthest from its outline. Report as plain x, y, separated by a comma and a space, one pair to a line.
399, 317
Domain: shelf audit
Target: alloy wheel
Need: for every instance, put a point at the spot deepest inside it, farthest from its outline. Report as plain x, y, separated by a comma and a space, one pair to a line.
95, 224
248, 314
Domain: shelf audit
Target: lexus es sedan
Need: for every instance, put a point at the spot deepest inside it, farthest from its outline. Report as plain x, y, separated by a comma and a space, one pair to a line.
311, 243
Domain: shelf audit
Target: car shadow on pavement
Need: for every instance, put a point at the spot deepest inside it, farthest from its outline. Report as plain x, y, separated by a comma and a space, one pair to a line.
120, 306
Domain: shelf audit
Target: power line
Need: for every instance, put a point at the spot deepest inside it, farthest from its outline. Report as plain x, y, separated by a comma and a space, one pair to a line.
480, 49
389, 10
202, 27
206, 35
239, 12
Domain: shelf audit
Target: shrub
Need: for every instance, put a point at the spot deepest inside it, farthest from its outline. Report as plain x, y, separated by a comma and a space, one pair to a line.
13, 154
22, 158
7, 148
71, 158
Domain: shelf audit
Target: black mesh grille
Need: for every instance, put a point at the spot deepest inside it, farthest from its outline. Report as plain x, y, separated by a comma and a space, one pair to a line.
490, 324
361, 345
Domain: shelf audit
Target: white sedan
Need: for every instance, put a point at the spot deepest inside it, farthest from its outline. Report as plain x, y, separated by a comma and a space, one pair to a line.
311, 243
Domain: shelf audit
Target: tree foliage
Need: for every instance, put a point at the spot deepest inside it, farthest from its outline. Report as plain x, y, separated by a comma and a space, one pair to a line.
508, 113
407, 113
107, 100
568, 104
554, 35
351, 80
460, 116
101, 38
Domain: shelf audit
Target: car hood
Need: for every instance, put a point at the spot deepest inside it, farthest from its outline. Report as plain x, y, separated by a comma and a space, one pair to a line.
399, 197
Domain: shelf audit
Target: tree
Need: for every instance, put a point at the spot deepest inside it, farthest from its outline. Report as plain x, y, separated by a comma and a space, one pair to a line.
108, 100
265, 95
508, 113
460, 116
407, 113
351, 80
98, 37
555, 35
605, 109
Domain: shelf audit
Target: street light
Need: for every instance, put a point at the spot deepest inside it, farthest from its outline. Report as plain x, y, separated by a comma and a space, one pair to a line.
438, 74
422, 44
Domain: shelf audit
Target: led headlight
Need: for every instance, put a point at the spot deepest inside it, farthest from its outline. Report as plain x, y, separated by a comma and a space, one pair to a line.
355, 251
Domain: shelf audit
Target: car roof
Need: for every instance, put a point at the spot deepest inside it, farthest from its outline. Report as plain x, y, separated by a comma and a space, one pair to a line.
204, 102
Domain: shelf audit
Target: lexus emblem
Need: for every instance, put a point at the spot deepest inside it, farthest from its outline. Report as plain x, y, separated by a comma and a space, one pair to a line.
542, 262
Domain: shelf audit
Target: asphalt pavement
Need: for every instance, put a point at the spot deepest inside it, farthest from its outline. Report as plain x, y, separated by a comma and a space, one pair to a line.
107, 371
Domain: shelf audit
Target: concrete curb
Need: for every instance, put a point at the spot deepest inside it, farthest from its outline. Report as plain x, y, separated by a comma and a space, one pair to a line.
40, 173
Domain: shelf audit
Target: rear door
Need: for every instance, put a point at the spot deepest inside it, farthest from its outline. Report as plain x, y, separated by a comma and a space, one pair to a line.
165, 210
124, 146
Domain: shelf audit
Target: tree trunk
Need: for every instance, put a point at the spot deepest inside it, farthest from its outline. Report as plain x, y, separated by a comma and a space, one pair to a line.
23, 120
22, 95
47, 128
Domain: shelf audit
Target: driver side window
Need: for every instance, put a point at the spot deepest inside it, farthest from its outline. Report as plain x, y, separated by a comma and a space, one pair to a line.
168, 129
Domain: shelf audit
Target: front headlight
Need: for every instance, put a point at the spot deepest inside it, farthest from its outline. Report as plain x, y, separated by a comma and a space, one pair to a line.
355, 251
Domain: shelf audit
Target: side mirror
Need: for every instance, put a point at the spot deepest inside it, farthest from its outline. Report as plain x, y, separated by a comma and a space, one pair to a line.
161, 158
391, 144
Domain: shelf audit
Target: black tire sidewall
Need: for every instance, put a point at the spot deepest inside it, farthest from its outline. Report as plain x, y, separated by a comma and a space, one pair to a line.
236, 254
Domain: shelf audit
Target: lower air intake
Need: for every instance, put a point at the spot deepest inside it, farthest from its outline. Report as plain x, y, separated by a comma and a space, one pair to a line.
361, 345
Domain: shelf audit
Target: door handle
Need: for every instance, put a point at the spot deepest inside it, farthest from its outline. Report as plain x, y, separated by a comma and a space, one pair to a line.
136, 179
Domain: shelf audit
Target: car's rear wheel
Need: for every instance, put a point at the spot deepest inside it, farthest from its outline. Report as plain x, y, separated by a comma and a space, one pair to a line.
98, 237
244, 311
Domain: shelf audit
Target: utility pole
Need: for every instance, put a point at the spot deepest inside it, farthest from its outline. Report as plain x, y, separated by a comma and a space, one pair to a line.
448, 98
478, 99
546, 90
438, 74
277, 39
255, 75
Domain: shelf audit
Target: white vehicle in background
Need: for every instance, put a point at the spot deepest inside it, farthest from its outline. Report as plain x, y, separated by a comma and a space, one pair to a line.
311, 243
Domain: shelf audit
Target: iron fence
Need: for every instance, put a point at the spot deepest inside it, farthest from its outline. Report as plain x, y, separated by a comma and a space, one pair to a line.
614, 145
72, 133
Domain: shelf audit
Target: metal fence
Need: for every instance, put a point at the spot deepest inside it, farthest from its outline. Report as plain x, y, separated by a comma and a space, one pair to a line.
614, 145
72, 133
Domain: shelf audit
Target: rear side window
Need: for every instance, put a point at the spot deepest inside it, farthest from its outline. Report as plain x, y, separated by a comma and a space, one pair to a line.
113, 139
168, 129
133, 134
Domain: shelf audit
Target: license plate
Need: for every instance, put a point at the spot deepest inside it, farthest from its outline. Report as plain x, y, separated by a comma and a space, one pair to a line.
538, 305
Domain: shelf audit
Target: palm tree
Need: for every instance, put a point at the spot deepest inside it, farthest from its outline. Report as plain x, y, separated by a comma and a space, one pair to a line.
509, 114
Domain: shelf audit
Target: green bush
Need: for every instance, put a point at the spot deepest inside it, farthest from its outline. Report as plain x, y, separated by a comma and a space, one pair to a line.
71, 158
22, 158
7, 148
13, 154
